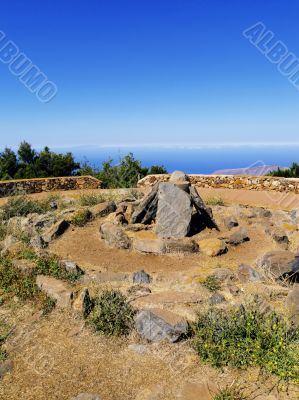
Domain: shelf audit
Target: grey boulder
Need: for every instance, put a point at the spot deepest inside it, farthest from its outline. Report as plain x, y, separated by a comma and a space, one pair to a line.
157, 325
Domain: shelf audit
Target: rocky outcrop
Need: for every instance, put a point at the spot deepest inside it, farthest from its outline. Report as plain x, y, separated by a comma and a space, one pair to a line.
56, 289
280, 264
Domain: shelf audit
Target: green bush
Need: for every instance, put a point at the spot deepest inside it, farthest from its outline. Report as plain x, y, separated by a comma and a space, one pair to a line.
112, 314
4, 331
17, 283
50, 265
245, 337
91, 199
81, 217
21, 206
212, 283
231, 393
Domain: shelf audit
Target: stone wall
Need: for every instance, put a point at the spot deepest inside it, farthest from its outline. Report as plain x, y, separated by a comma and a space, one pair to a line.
27, 186
231, 182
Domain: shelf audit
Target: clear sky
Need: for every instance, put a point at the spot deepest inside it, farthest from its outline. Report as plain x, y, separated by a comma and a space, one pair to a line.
149, 72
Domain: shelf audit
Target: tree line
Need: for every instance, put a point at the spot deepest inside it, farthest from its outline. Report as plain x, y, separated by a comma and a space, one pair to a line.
27, 163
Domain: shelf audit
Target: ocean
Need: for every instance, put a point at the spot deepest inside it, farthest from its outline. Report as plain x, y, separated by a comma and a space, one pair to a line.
194, 160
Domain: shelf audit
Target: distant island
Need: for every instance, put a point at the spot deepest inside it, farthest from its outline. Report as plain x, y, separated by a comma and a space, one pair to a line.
259, 170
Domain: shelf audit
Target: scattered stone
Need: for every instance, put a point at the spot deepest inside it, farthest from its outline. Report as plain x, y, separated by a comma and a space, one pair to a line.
86, 396
230, 222
292, 302
102, 209
24, 265
280, 264
238, 237
156, 325
277, 234
150, 245
11, 245
5, 367
56, 289
138, 291
37, 242
56, 230
182, 245
216, 298
232, 288
141, 277
262, 212
83, 303
71, 266
212, 247
174, 211
224, 274
53, 205
248, 274
137, 227
115, 236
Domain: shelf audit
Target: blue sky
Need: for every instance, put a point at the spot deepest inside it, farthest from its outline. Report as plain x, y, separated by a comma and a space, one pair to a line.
136, 72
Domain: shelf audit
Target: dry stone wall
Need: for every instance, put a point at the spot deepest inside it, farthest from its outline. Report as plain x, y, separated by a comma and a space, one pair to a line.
28, 186
268, 183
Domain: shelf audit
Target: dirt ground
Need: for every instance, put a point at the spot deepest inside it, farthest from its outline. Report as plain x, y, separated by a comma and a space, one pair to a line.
59, 356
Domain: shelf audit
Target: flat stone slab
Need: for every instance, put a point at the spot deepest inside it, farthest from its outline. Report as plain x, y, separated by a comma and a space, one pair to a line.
56, 289
174, 211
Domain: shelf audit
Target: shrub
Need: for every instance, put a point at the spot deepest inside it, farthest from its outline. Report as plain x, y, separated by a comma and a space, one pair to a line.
4, 332
50, 265
17, 283
21, 206
215, 201
112, 314
212, 283
292, 172
246, 337
81, 217
3, 230
91, 199
231, 393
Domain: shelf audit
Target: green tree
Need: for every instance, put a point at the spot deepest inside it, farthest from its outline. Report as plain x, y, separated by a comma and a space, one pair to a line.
292, 172
8, 164
26, 154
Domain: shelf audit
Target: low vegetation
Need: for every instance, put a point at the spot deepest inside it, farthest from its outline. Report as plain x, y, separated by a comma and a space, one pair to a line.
81, 217
91, 199
21, 206
215, 201
48, 265
230, 393
4, 331
212, 283
112, 314
245, 337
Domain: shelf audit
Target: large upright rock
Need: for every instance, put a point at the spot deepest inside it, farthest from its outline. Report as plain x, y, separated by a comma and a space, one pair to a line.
174, 211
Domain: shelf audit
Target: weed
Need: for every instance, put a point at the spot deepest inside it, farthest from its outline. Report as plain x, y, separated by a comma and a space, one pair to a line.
21, 206
246, 337
50, 265
212, 283
17, 283
91, 199
48, 305
215, 201
81, 217
112, 314
3, 230
229, 393
4, 332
